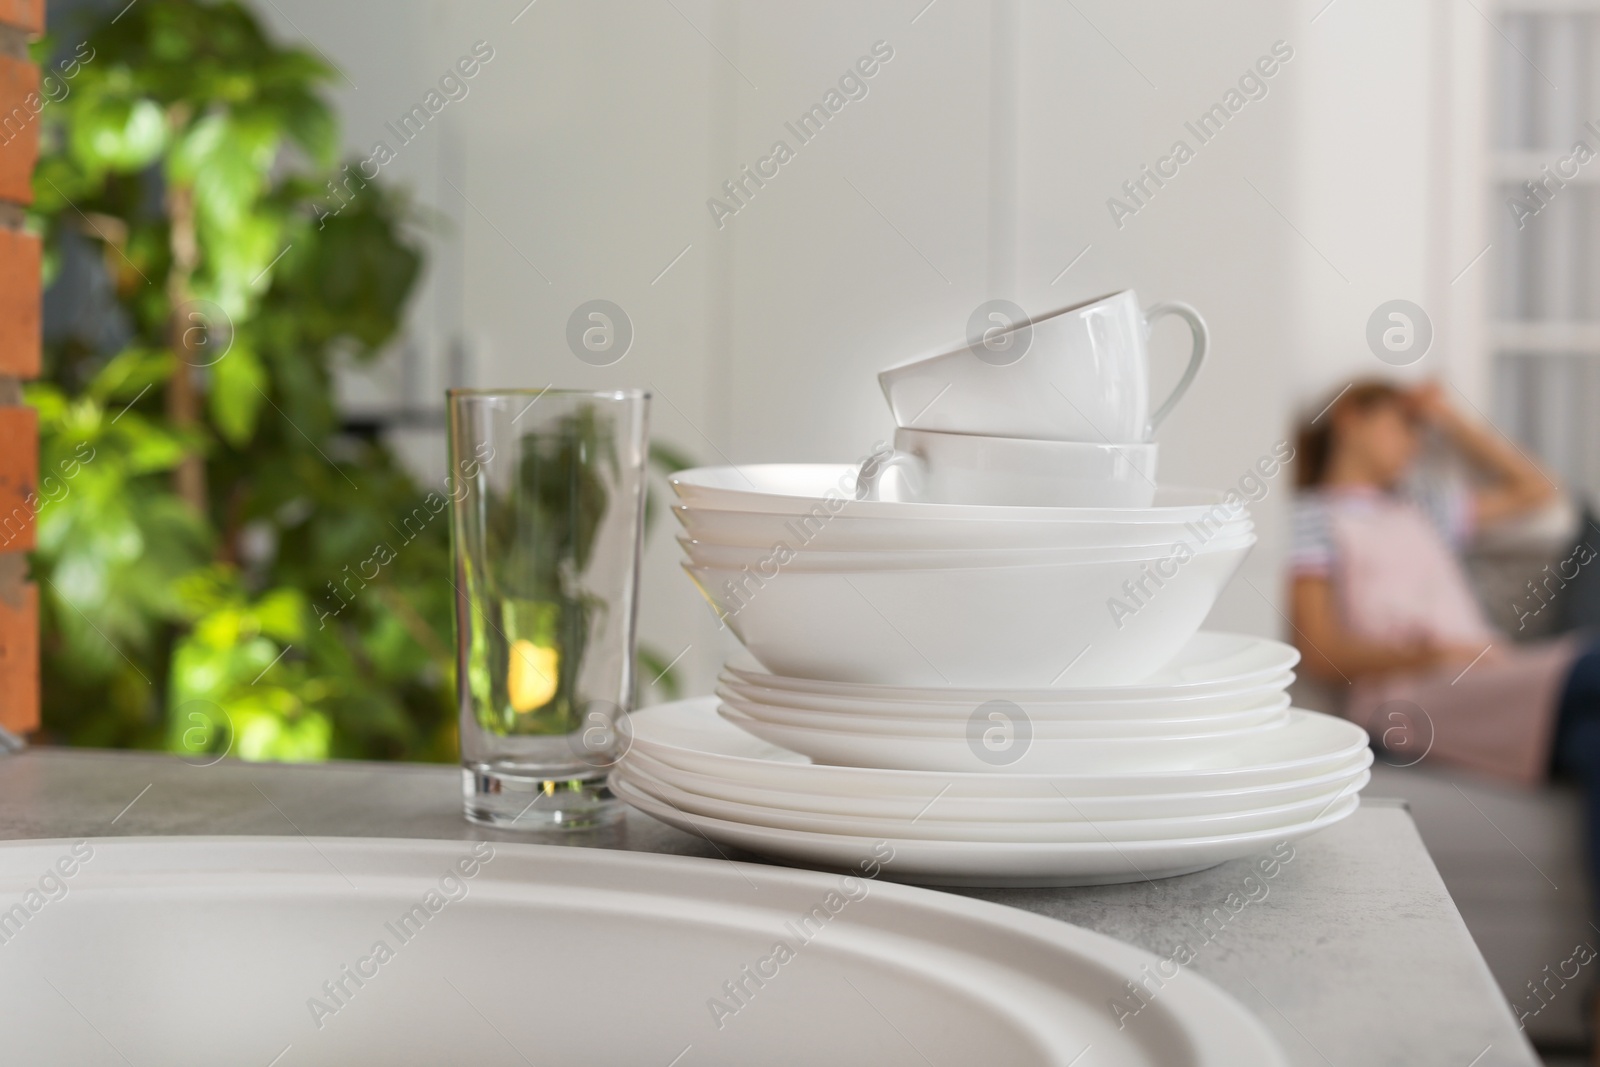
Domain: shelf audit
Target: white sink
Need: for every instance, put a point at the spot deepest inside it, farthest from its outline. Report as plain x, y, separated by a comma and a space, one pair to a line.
165, 952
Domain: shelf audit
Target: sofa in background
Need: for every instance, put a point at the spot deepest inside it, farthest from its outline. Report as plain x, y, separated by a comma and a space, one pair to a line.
1511, 858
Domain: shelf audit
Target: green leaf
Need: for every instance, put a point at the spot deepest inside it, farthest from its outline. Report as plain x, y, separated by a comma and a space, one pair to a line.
118, 134
149, 448
311, 124
237, 384
668, 459
225, 159
48, 400
130, 373
195, 148
239, 262
281, 614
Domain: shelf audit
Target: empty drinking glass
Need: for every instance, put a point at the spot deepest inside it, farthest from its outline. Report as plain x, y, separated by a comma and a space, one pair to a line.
547, 521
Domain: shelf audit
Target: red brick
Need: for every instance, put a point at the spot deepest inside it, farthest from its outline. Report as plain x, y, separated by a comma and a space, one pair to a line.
19, 658
24, 14
20, 104
19, 477
19, 304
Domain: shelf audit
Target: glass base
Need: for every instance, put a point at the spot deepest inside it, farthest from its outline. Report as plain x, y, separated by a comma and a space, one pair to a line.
494, 796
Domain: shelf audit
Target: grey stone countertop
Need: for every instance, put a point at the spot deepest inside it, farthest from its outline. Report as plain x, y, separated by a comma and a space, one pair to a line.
1351, 952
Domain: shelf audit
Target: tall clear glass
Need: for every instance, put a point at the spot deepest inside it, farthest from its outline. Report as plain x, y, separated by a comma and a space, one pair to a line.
547, 521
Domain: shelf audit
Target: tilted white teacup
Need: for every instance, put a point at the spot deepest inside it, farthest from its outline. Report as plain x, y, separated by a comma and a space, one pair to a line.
955, 468
1077, 374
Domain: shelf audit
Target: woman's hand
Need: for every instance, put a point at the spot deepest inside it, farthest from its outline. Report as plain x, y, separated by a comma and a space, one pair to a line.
1517, 485
1452, 654
1429, 403
1332, 653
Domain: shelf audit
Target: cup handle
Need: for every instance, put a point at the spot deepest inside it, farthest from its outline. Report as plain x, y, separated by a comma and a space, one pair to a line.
1202, 340
870, 476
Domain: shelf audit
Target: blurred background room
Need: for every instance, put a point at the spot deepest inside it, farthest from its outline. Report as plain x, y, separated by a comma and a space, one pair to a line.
249, 324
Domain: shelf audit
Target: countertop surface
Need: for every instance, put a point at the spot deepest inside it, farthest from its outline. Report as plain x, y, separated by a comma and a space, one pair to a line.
1351, 951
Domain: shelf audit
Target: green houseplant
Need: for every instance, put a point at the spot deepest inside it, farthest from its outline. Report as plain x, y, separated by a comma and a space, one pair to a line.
223, 569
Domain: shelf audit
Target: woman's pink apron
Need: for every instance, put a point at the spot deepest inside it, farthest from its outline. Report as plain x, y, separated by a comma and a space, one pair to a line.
1397, 580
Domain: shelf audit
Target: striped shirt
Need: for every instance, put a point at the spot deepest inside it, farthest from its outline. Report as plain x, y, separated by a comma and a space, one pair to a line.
1312, 550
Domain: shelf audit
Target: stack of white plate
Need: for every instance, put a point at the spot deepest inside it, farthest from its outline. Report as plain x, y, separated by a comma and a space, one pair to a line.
1220, 689
978, 695
1242, 773
691, 768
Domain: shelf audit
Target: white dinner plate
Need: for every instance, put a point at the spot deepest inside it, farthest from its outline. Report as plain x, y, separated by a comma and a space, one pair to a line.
193, 952
1175, 707
927, 828
1210, 663
990, 863
1054, 807
957, 724
689, 734
1001, 743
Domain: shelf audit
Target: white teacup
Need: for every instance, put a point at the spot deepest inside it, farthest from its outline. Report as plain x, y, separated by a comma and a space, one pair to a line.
1077, 374
956, 468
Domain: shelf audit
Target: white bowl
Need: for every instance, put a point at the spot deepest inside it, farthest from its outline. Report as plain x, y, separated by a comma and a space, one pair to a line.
848, 531
1003, 746
1212, 664
1039, 709
955, 726
1054, 806
821, 561
1040, 626
803, 488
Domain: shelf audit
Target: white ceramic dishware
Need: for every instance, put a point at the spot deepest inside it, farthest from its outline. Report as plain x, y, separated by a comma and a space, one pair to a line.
1054, 806
690, 735
933, 828
1211, 664
198, 951
1080, 373
805, 558
847, 531
823, 489
997, 741
1202, 706
1031, 626
955, 725
992, 863
958, 468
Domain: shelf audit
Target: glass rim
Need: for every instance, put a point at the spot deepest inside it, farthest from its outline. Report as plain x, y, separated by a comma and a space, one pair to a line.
593, 394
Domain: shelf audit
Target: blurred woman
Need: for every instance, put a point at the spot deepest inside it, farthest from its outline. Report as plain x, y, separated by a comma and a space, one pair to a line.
1382, 608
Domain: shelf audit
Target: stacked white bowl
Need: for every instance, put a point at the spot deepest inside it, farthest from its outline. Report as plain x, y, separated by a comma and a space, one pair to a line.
983, 657
818, 584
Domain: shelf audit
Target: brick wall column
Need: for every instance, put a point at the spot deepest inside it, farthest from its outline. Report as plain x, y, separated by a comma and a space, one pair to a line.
19, 360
